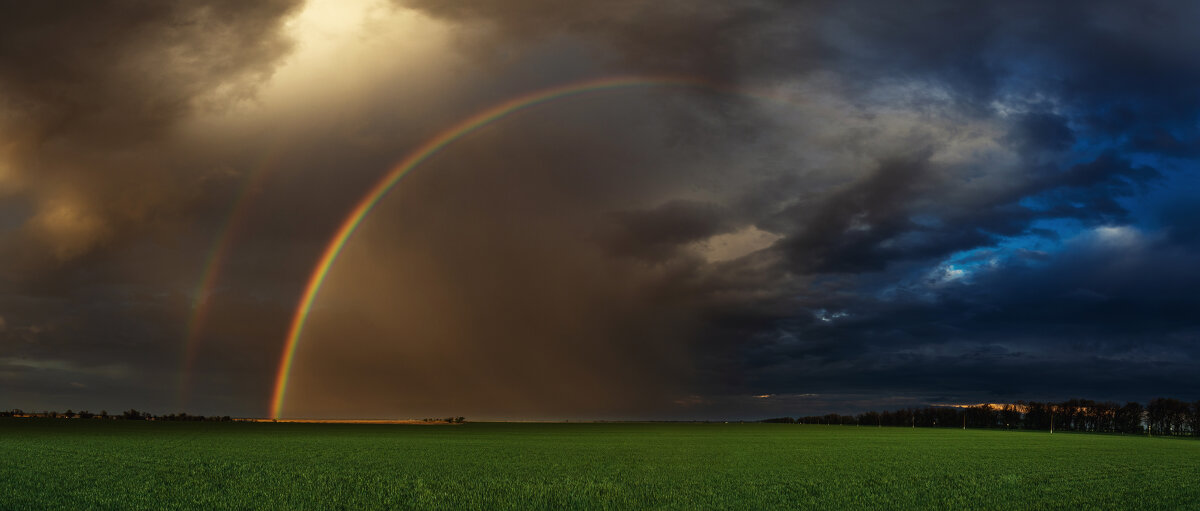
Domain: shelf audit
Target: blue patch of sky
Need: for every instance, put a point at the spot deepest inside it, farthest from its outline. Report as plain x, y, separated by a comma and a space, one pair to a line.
1043, 237
1180, 184
1180, 179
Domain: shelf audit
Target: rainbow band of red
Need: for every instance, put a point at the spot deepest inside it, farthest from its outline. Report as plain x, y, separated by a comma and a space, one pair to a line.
215, 259
422, 153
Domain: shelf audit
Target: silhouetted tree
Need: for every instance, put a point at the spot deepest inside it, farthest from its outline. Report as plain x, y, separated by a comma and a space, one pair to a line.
1193, 418
1166, 416
870, 419
1037, 415
1010, 417
1129, 418
1104, 416
981, 416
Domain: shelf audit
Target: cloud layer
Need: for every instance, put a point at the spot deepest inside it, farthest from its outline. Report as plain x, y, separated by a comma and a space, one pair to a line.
871, 204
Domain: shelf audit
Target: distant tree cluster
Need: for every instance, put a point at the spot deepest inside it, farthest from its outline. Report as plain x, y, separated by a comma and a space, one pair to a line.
831, 418
184, 417
1162, 416
130, 414
451, 420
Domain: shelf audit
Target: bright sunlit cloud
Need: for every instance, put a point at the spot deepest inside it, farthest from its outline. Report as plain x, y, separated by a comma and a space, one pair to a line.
745, 241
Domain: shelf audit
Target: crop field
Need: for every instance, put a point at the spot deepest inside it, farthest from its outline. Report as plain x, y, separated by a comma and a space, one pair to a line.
93, 464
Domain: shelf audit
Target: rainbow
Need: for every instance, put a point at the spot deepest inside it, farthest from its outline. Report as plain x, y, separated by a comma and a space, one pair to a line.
215, 260
429, 149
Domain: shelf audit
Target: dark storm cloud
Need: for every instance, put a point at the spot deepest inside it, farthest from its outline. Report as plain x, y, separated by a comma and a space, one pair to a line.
847, 231
708, 38
658, 233
1081, 91
98, 189
1162, 142
1112, 65
1041, 130
909, 209
121, 71
1109, 314
91, 95
955, 207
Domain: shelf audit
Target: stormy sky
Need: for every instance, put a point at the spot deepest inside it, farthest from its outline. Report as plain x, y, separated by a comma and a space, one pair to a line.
829, 207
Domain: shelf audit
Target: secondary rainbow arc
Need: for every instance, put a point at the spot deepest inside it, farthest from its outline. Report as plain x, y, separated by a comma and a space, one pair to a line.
215, 259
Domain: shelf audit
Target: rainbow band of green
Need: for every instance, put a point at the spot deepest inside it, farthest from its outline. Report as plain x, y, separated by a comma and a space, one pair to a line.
217, 254
422, 153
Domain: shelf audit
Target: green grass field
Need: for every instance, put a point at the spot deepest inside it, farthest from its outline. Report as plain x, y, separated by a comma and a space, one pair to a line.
154, 465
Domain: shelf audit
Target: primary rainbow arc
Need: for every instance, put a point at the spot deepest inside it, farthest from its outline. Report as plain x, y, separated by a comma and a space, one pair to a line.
423, 153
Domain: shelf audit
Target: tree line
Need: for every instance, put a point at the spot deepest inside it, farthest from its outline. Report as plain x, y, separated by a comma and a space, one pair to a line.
130, 414
1161, 416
